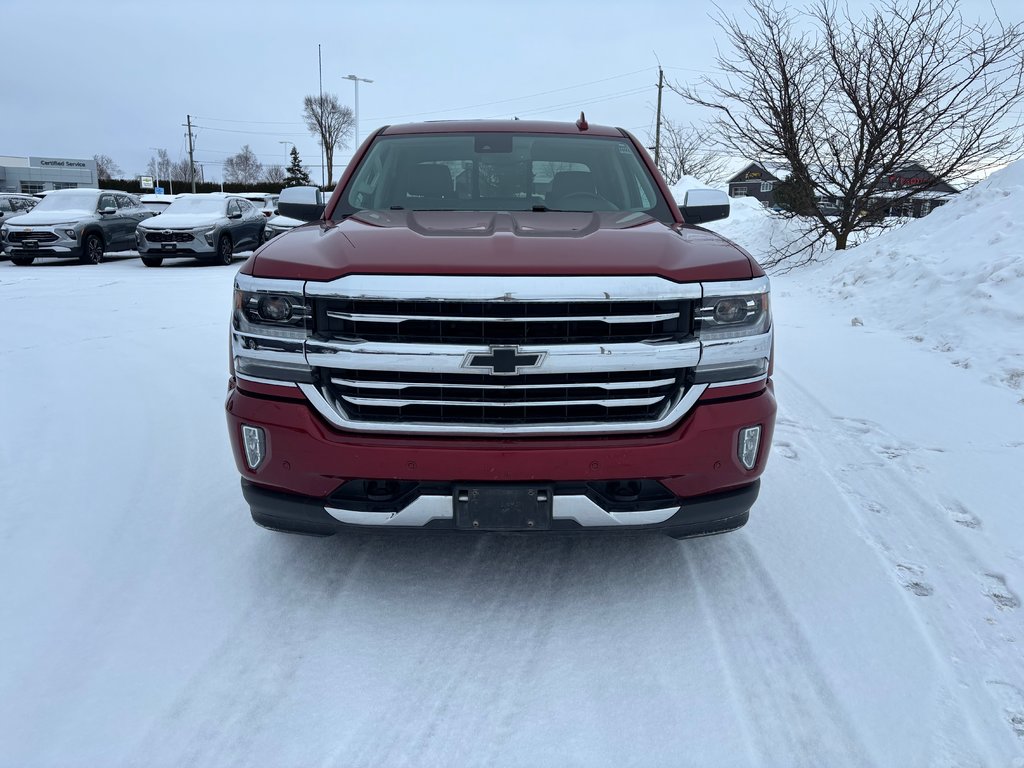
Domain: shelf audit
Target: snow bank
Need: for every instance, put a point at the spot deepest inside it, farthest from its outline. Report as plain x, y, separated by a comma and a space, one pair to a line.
953, 280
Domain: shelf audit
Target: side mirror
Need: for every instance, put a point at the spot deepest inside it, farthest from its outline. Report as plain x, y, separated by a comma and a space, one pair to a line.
235, 215
302, 203
108, 210
703, 205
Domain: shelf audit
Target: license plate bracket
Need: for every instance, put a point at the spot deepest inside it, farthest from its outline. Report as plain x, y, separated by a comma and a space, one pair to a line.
169, 246
518, 507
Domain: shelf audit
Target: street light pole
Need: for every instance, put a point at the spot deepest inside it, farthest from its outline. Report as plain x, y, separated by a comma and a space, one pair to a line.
287, 152
156, 170
355, 114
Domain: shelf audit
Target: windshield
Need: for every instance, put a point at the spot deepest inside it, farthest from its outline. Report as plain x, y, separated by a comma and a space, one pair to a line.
69, 201
503, 172
197, 205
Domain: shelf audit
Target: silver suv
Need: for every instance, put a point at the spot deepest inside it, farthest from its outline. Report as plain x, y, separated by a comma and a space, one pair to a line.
82, 223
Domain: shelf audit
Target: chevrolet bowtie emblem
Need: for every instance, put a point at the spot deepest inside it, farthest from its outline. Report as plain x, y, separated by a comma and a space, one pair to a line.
503, 361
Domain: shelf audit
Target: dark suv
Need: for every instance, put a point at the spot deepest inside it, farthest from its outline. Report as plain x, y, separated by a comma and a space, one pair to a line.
82, 223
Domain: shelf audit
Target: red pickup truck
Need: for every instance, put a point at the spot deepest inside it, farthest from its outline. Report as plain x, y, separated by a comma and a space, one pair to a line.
501, 326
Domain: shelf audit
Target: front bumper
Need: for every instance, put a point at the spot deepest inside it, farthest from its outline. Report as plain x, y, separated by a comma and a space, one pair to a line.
197, 246
307, 462
572, 512
52, 241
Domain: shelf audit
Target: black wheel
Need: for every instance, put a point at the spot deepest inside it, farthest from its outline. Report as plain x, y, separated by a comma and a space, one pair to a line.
22, 261
225, 250
152, 261
92, 249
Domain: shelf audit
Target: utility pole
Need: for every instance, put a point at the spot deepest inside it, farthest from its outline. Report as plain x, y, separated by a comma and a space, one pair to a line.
657, 125
191, 158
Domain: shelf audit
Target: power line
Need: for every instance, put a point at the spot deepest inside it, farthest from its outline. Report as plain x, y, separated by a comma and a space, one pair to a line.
584, 102
430, 112
507, 101
256, 133
248, 122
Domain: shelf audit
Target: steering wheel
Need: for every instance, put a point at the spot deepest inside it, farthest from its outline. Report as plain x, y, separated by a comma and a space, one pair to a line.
601, 203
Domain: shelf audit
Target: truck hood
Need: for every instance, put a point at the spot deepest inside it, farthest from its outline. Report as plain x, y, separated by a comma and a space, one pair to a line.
500, 243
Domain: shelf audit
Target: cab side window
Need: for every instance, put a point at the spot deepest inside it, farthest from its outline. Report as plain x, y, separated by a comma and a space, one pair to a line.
5, 205
106, 201
233, 207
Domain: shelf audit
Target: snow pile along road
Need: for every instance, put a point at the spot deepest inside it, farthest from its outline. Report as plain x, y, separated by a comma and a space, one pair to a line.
953, 281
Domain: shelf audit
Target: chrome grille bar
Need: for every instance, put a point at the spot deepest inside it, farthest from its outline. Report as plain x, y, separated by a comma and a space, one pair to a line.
371, 318
585, 385
390, 403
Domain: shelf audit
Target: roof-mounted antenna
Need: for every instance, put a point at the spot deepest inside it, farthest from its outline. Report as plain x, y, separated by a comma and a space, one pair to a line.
582, 122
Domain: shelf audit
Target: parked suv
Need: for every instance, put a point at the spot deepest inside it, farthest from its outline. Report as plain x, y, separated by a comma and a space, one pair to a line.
501, 326
84, 223
210, 226
265, 201
14, 204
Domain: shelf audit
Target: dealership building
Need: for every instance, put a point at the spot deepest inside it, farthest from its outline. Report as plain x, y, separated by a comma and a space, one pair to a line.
32, 175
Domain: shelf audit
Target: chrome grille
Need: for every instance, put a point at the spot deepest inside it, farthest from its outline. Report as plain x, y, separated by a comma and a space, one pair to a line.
153, 236
529, 399
39, 237
489, 323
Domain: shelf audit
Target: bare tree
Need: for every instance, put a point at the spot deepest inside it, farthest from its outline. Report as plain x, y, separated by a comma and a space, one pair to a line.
243, 168
106, 168
160, 166
275, 175
848, 102
688, 151
179, 171
330, 122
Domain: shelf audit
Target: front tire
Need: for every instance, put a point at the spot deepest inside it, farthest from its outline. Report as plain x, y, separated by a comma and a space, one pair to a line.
22, 261
92, 249
225, 250
152, 261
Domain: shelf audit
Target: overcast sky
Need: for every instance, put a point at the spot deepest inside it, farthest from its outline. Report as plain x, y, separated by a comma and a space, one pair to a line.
118, 77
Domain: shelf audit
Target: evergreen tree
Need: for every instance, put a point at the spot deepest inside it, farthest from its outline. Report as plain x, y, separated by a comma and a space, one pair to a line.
297, 175
795, 197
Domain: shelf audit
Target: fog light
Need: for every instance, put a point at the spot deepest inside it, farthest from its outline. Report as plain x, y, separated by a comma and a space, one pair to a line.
71, 234
750, 438
255, 445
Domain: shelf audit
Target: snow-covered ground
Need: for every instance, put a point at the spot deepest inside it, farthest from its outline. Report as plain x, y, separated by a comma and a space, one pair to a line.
869, 613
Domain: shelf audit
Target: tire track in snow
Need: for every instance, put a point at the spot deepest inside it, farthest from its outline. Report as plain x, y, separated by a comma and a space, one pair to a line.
477, 680
778, 673
919, 528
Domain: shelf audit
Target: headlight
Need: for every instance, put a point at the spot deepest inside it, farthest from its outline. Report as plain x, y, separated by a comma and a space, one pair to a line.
206, 233
280, 314
734, 324
730, 317
270, 323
